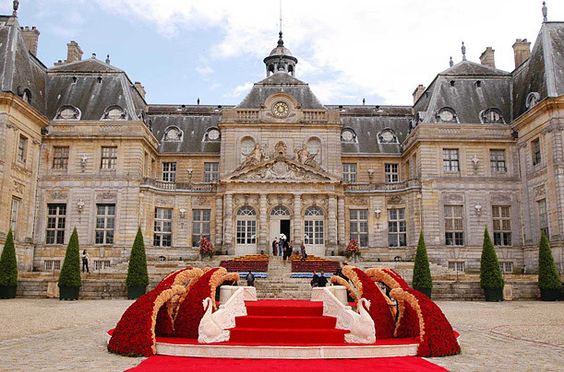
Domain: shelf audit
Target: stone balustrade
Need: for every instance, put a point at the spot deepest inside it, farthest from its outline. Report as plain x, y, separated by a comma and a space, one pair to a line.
179, 186
383, 187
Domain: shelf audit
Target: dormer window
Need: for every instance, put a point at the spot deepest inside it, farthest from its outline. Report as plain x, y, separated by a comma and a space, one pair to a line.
491, 115
212, 135
532, 99
173, 134
387, 136
114, 113
447, 115
68, 112
348, 136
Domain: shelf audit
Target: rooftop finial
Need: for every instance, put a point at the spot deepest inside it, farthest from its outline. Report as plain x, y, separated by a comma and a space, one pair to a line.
451, 62
15, 6
280, 41
108, 59
463, 49
544, 12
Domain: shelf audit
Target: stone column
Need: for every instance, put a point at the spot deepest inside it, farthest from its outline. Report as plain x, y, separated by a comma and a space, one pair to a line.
297, 222
218, 221
262, 243
332, 226
341, 221
228, 223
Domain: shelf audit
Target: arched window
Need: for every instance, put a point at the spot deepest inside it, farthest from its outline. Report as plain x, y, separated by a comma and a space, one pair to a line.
348, 136
67, 112
280, 210
387, 136
173, 134
246, 226
313, 226
212, 135
114, 113
491, 115
532, 99
447, 115
314, 146
247, 145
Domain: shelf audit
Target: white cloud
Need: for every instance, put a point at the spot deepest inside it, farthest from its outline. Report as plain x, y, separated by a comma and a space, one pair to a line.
241, 90
372, 48
204, 70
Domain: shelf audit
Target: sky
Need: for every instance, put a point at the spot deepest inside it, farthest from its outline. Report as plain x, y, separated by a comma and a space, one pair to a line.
182, 50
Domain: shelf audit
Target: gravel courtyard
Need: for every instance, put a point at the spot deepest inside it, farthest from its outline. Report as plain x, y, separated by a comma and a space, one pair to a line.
51, 335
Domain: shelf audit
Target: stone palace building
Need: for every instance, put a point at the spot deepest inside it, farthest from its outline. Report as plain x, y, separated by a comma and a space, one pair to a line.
80, 147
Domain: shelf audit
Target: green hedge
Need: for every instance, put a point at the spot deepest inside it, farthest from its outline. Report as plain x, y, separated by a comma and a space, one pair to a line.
421, 271
70, 273
137, 275
490, 273
8, 263
548, 275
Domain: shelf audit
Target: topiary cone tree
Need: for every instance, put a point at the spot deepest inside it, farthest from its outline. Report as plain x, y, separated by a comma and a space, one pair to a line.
137, 276
422, 280
549, 279
491, 279
69, 278
8, 268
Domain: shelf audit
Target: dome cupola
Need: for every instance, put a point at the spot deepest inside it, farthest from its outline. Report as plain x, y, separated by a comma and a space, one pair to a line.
280, 59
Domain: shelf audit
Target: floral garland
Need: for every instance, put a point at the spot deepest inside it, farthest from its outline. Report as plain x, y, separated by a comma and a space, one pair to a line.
191, 310
387, 276
353, 249
217, 279
436, 336
337, 280
206, 247
380, 310
186, 279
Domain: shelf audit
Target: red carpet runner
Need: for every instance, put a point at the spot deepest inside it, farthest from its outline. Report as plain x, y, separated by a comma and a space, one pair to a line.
273, 322
177, 364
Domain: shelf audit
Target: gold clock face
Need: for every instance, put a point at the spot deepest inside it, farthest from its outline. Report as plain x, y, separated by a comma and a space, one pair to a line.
280, 109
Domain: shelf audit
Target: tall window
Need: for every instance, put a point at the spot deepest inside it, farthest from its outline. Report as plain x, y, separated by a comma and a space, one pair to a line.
536, 151
246, 225
359, 226
543, 216
56, 218
450, 160
60, 157
454, 229
15, 208
109, 157
22, 149
497, 161
349, 172
162, 232
211, 172
391, 172
501, 225
313, 226
105, 223
200, 225
169, 171
397, 236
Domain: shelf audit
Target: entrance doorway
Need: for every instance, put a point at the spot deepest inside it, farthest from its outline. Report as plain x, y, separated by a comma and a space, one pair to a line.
279, 224
285, 229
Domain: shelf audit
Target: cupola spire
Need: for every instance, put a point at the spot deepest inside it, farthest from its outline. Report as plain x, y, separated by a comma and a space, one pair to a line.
280, 59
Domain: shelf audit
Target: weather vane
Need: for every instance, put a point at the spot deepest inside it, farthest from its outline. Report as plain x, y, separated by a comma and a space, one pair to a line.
15, 5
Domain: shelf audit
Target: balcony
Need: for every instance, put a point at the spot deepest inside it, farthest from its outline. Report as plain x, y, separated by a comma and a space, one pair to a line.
179, 186
383, 187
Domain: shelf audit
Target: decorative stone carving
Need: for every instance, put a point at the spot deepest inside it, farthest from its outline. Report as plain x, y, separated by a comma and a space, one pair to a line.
58, 195
282, 170
281, 148
106, 195
303, 156
19, 187
255, 157
454, 198
358, 200
501, 199
394, 199
540, 192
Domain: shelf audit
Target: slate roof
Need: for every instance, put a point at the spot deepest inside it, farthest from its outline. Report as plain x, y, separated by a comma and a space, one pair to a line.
281, 82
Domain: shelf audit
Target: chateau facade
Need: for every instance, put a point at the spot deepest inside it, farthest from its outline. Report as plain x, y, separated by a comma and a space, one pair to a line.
80, 147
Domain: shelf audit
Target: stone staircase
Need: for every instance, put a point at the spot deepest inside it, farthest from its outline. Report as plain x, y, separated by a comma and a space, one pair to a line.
279, 285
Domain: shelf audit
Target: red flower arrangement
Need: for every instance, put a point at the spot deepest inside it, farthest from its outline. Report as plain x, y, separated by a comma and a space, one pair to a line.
436, 336
206, 247
353, 249
379, 308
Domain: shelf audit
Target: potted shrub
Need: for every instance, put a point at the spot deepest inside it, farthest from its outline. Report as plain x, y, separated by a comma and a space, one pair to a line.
137, 276
8, 269
69, 278
422, 280
491, 279
206, 248
353, 250
549, 279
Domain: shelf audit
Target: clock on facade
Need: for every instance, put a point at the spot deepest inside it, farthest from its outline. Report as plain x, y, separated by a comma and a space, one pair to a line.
280, 109
213, 134
347, 136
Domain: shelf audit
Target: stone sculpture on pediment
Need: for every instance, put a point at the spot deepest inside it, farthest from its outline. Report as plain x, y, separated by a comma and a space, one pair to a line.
281, 149
282, 170
303, 156
255, 157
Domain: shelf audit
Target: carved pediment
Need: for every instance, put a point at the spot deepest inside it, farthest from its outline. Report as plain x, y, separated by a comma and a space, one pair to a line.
280, 169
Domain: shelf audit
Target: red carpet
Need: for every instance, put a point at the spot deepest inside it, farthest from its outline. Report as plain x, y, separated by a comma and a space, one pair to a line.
395, 364
274, 322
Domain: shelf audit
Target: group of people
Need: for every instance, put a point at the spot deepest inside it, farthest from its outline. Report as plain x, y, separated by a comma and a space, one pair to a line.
281, 247
318, 280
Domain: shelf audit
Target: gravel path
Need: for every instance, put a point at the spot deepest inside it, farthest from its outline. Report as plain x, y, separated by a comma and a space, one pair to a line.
53, 335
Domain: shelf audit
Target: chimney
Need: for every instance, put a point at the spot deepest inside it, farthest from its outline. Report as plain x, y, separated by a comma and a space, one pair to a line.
487, 58
140, 88
418, 92
31, 38
74, 53
522, 51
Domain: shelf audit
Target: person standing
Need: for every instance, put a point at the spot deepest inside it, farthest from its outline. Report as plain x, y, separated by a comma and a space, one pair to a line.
322, 281
303, 252
275, 246
85, 261
250, 279
314, 279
